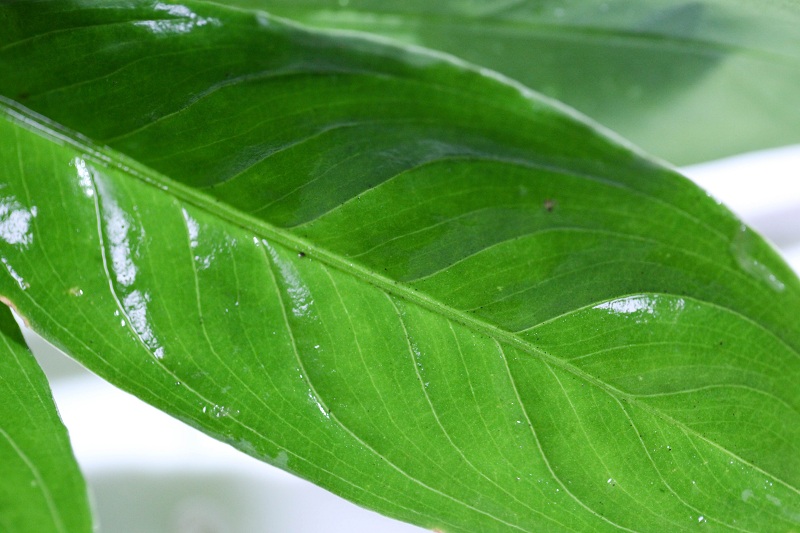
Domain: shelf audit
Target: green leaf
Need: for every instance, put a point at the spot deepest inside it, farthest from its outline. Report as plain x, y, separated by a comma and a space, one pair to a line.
424, 289
686, 80
41, 488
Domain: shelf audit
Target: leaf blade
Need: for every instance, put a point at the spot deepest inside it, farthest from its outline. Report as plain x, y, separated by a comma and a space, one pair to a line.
42, 488
147, 235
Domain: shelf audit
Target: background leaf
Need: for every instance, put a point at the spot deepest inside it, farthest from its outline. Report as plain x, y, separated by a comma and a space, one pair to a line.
686, 80
41, 488
426, 290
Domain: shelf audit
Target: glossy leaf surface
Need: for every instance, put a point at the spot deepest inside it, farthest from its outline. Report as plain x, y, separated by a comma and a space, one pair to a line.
687, 80
426, 290
41, 488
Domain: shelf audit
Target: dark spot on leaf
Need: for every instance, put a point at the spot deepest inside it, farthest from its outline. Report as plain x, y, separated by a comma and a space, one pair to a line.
23, 96
301, 254
549, 205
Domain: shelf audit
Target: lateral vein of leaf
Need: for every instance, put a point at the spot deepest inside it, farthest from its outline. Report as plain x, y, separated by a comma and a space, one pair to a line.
220, 210
565, 274
377, 390
268, 265
489, 433
123, 312
521, 404
65, 30
287, 72
22, 175
209, 343
318, 397
445, 432
367, 371
531, 165
506, 242
147, 349
329, 128
734, 312
46, 256
589, 440
754, 390
275, 444
104, 76
726, 486
663, 480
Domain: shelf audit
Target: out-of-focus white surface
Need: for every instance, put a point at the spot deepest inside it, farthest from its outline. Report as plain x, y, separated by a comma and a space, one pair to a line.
151, 474
754, 184
763, 188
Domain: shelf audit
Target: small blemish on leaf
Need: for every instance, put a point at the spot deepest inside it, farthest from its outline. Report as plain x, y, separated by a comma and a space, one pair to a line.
301, 254
549, 205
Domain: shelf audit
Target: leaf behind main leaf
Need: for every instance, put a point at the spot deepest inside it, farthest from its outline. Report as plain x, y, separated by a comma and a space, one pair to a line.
689, 81
426, 290
41, 488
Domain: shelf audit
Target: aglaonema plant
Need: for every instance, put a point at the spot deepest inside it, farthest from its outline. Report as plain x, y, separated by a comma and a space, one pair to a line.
407, 279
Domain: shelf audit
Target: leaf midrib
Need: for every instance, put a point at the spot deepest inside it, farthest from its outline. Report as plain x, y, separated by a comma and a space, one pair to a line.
216, 208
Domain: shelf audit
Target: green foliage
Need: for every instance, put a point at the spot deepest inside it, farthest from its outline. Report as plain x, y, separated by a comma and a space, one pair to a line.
418, 285
41, 489
688, 81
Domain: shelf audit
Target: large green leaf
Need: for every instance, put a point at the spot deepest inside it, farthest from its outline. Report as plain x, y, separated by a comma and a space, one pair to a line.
420, 287
41, 488
686, 80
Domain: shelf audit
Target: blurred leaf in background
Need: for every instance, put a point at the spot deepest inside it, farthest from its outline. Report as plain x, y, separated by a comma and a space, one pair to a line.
688, 81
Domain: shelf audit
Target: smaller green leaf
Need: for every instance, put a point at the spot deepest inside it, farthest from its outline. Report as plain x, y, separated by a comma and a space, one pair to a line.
41, 487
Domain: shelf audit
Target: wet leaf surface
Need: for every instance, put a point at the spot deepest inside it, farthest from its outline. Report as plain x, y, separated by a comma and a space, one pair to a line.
426, 290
